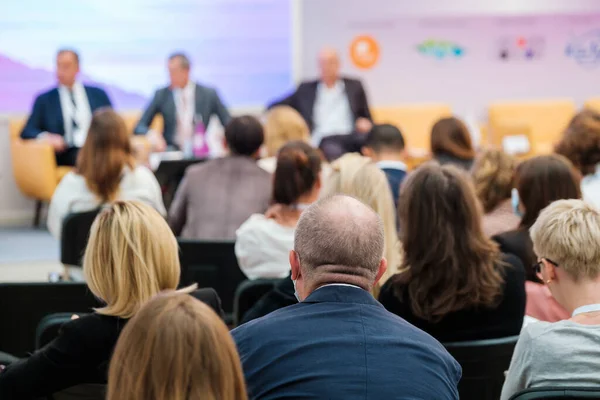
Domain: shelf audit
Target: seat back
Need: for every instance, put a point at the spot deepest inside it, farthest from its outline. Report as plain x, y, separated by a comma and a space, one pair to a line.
25, 304
48, 328
75, 234
570, 393
211, 264
547, 119
247, 295
415, 121
483, 364
87, 391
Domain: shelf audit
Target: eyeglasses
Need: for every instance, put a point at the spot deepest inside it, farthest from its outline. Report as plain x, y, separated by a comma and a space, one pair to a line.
537, 267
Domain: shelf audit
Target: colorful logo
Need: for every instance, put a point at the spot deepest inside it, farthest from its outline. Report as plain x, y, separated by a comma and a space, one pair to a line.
364, 52
521, 48
440, 49
585, 49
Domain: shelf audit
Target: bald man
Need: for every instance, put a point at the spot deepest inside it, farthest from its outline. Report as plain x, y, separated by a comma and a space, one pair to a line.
339, 342
334, 107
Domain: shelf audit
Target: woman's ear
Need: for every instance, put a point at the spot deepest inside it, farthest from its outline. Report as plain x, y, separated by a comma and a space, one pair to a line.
548, 271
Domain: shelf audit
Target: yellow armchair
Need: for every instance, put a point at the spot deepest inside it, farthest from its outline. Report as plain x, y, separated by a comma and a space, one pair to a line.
593, 103
544, 120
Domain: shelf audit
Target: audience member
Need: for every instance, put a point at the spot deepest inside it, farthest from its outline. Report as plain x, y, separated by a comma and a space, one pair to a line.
106, 171
182, 104
283, 124
334, 107
62, 115
565, 353
131, 256
451, 143
385, 146
539, 181
581, 145
175, 348
264, 241
454, 283
217, 196
493, 173
339, 342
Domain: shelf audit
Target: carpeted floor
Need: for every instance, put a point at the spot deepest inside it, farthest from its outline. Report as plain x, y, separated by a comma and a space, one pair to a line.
27, 254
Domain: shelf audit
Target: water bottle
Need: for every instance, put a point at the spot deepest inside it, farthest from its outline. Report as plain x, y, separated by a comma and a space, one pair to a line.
199, 143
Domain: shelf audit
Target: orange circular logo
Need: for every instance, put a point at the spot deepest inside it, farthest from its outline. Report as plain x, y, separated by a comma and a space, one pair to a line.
364, 52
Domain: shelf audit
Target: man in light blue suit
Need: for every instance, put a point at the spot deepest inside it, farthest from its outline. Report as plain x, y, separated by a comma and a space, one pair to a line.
339, 342
62, 115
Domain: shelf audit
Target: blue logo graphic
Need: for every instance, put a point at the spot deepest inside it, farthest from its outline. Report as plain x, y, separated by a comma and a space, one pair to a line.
585, 49
440, 49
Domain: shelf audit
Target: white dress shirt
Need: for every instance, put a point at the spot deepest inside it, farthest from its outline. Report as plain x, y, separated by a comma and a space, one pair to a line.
332, 112
185, 105
80, 112
73, 195
392, 164
590, 188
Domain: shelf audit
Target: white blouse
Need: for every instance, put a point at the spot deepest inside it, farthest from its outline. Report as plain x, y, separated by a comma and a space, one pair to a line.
263, 246
590, 188
73, 195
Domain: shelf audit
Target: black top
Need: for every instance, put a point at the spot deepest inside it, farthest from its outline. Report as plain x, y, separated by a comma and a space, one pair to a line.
518, 242
282, 295
80, 354
474, 323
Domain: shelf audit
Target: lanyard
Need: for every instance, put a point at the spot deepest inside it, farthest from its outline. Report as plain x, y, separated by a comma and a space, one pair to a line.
586, 309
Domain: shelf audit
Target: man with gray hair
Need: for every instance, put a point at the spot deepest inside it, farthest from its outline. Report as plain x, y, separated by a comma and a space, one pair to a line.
339, 342
183, 105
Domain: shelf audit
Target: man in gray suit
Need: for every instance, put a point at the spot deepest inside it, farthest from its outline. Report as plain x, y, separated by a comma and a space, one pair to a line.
181, 104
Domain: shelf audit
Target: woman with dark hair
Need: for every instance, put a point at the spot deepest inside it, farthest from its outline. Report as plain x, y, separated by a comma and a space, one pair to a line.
451, 143
454, 283
265, 240
581, 145
106, 171
539, 181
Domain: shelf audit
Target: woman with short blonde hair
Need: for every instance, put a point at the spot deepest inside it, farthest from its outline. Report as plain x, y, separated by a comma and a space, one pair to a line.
131, 256
493, 174
565, 353
175, 348
283, 124
106, 171
357, 176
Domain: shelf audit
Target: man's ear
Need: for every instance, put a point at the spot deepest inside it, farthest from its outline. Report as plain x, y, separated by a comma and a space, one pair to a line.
381, 271
367, 151
295, 265
549, 272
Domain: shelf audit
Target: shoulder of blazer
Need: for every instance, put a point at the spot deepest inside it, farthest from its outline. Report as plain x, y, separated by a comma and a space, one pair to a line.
48, 94
351, 82
205, 89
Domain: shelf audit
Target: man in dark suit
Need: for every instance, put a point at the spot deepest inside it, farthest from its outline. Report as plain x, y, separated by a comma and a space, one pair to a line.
62, 116
182, 104
334, 107
339, 342
385, 146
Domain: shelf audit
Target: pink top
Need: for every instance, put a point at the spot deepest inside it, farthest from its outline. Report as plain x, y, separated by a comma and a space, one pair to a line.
541, 305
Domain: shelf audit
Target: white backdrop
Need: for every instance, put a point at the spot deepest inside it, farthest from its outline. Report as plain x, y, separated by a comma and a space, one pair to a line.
478, 76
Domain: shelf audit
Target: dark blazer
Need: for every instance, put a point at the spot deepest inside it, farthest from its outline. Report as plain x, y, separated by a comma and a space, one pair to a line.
208, 103
518, 242
474, 323
395, 177
303, 100
217, 196
340, 343
47, 116
80, 354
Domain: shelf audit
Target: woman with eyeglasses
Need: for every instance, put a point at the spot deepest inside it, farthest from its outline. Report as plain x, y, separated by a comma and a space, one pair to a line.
538, 181
565, 239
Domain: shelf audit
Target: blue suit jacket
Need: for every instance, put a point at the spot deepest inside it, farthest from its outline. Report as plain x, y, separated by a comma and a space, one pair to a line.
340, 343
47, 113
395, 177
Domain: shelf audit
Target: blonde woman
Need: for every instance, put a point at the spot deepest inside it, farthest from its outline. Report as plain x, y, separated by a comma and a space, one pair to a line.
357, 176
131, 256
565, 240
283, 124
175, 348
493, 175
